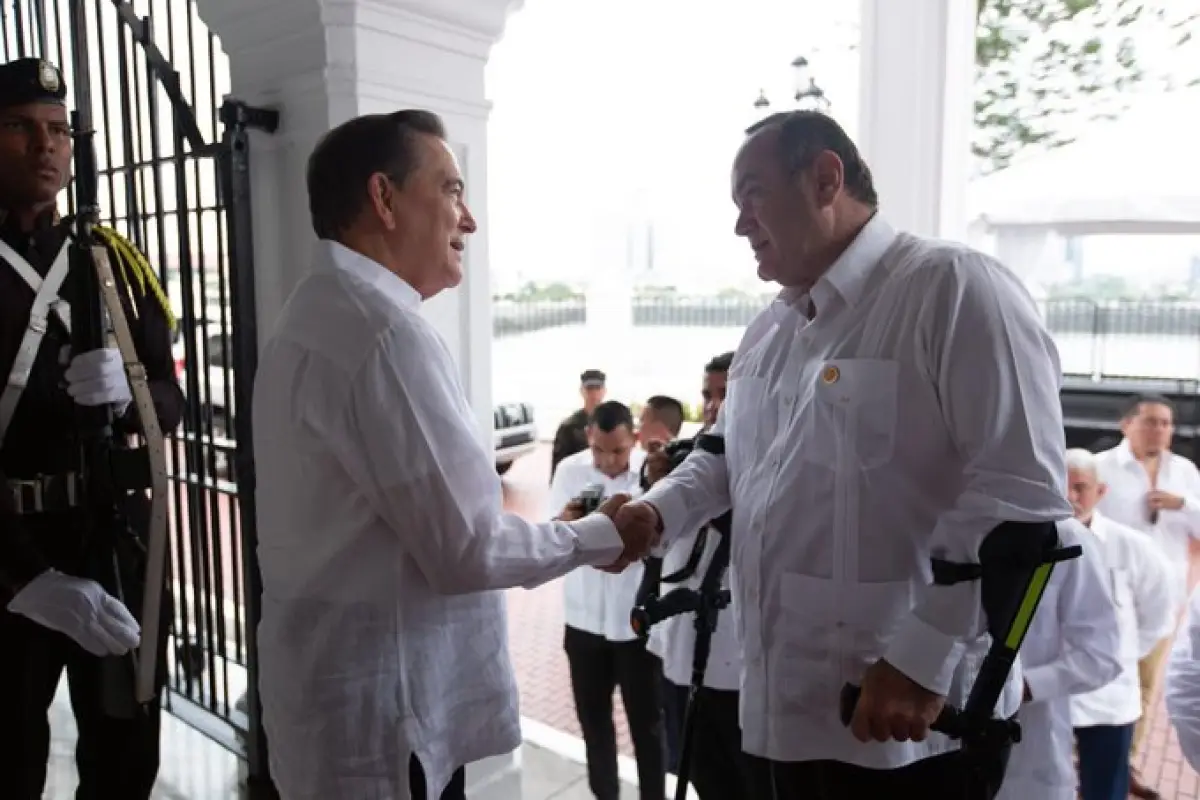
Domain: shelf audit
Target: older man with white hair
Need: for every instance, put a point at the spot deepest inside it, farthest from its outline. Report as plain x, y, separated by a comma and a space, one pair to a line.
1138, 576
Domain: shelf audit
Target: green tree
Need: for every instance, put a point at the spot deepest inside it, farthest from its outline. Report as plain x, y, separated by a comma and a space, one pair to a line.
1043, 67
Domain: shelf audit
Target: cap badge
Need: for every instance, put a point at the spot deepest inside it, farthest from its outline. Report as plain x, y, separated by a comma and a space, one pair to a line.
48, 77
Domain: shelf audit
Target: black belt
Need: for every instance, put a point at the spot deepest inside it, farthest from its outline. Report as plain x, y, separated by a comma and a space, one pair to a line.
46, 493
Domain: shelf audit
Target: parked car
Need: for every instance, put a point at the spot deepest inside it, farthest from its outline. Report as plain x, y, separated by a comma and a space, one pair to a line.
514, 433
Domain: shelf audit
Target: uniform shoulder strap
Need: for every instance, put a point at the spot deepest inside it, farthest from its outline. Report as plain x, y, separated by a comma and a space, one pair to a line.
135, 269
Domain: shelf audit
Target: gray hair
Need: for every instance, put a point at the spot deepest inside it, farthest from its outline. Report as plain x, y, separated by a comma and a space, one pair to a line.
1082, 460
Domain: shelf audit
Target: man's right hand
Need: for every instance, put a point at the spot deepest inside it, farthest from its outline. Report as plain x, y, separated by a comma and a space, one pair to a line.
639, 527
80, 609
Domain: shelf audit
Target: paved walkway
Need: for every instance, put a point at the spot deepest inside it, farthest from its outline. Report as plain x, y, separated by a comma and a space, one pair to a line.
535, 637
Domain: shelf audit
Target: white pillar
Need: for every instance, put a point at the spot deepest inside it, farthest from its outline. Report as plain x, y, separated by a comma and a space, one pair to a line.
321, 62
915, 115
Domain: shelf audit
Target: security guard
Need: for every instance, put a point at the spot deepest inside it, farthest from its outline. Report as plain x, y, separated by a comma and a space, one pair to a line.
53, 615
571, 436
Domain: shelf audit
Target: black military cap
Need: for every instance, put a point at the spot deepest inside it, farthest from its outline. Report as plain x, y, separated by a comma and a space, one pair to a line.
31, 80
592, 379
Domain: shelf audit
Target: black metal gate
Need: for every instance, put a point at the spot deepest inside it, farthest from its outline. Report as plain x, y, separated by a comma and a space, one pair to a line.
174, 178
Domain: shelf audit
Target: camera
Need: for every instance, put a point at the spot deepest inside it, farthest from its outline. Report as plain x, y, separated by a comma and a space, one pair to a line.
591, 498
677, 452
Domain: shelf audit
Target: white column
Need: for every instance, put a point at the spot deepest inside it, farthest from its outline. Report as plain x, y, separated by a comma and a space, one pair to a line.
321, 62
915, 114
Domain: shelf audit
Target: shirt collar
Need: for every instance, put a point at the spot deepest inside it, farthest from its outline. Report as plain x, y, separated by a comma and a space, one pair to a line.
1099, 525
1126, 458
847, 275
369, 271
1125, 455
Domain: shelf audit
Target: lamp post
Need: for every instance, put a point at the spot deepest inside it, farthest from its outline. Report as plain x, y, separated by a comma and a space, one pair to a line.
807, 93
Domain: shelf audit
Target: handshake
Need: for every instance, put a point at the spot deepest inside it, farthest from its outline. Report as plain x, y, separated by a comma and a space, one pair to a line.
637, 523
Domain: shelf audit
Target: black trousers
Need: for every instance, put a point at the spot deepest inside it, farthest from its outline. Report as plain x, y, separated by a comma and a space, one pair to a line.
718, 768
946, 777
455, 790
598, 667
674, 706
115, 757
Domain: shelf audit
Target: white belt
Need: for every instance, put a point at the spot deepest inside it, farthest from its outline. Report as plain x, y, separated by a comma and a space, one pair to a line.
45, 302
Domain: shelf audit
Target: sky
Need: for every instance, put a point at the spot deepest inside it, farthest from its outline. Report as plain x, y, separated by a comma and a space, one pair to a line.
607, 114
615, 122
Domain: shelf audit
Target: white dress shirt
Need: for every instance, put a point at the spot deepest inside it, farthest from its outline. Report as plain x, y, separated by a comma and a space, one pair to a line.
1125, 501
595, 601
1072, 647
674, 640
1139, 583
1183, 684
380, 536
914, 414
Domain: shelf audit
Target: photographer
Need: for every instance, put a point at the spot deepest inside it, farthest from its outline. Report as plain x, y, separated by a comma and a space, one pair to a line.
717, 768
602, 650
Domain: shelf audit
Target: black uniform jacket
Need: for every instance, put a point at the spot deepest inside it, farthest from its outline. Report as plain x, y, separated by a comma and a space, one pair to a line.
41, 436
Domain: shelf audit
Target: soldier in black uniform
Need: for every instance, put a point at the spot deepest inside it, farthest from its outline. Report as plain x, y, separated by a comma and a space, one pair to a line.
571, 436
53, 614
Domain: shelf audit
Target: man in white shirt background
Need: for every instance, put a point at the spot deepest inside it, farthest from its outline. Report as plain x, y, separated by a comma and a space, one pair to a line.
899, 400
602, 650
381, 537
1071, 647
1156, 491
717, 769
660, 421
1138, 577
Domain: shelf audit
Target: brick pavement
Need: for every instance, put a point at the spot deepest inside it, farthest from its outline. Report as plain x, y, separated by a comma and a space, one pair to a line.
1160, 761
535, 637
535, 620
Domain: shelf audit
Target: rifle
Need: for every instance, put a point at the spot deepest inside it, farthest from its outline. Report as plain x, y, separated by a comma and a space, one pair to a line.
109, 467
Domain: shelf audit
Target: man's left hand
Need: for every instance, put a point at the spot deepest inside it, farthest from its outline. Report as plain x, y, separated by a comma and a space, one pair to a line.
893, 706
1164, 501
98, 377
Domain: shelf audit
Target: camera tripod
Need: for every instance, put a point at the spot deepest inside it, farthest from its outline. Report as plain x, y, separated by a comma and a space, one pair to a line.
706, 603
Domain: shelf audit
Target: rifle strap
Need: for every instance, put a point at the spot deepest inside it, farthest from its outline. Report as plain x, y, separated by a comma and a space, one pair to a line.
156, 536
45, 302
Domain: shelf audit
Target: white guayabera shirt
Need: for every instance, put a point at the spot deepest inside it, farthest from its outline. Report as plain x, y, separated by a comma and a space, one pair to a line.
594, 601
1125, 503
381, 538
916, 412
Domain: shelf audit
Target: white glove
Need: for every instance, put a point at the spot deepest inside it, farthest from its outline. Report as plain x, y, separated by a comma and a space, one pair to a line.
98, 377
80, 609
